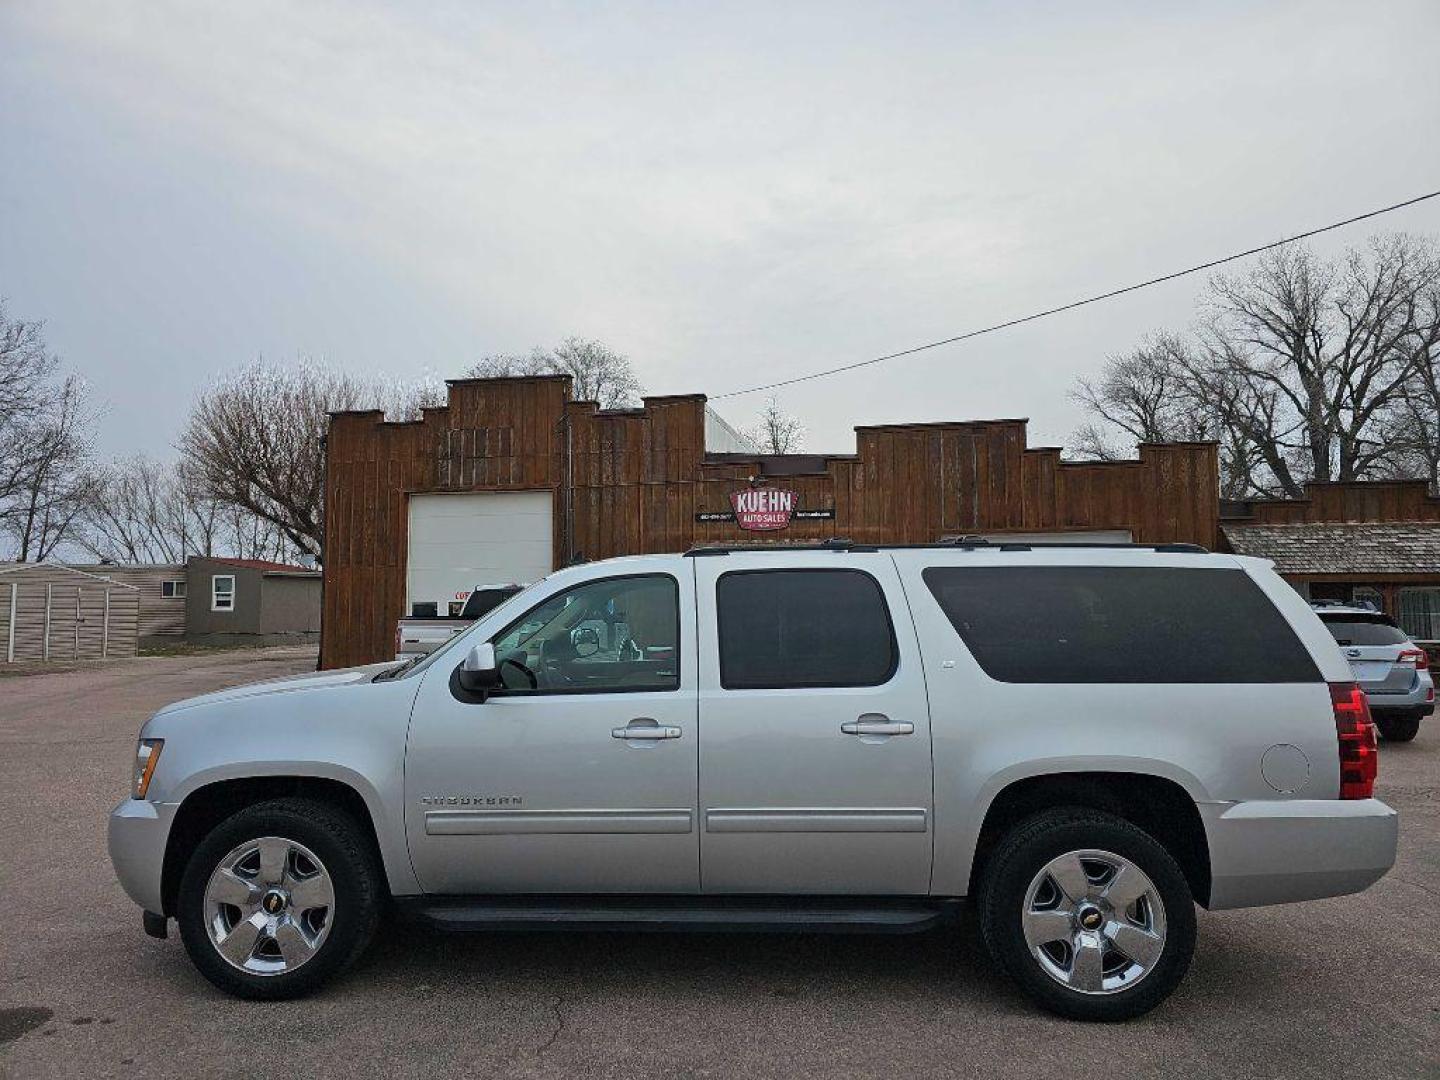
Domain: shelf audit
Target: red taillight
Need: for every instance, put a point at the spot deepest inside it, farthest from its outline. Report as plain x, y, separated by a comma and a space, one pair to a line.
1416, 657
1359, 748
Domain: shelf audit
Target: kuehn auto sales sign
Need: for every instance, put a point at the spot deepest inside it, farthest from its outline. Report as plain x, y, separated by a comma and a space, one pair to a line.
759, 509
763, 510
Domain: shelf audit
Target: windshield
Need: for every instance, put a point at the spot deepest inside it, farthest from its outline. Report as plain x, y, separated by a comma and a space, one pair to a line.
509, 608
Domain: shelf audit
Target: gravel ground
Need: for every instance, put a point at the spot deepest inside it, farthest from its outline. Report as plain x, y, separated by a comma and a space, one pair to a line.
1347, 987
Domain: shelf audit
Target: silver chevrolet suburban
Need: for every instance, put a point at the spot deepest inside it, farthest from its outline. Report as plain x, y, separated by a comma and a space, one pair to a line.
1086, 741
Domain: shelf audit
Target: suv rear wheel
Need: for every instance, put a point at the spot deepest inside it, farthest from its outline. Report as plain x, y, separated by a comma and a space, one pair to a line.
278, 898
1089, 914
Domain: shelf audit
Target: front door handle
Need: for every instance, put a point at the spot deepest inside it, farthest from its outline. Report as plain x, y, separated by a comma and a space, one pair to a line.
878, 727
645, 728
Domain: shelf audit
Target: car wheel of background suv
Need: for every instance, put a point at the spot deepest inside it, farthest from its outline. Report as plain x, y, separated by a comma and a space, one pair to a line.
1088, 913
1398, 728
279, 897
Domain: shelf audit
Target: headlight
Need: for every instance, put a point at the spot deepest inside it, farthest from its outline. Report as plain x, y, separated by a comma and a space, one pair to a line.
147, 755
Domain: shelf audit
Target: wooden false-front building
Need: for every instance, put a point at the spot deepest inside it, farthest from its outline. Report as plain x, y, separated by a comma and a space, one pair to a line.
512, 478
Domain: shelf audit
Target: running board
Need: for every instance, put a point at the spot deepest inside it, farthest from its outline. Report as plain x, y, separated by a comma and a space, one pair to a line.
708, 915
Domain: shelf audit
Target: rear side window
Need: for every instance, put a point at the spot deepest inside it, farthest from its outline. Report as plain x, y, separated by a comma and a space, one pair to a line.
1359, 630
1103, 624
803, 628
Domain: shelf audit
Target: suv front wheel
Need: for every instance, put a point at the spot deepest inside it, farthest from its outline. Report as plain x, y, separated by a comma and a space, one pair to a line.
1088, 913
278, 898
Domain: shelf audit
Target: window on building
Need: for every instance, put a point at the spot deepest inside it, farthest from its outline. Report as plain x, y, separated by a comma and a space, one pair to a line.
1102, 624
803, 628
222, 592
172, 590
1420, 612
618, 635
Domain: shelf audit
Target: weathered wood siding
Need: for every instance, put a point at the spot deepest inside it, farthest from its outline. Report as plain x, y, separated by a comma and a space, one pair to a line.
1366, 500
76, 627
632, 481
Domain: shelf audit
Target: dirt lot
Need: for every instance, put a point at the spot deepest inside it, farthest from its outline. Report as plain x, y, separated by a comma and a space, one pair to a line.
1347, 987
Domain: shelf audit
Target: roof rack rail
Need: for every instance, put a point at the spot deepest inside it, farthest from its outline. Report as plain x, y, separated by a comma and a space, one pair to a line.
834, 543
838, 543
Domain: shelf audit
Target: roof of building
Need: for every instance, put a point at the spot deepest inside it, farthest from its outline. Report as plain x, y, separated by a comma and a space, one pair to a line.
107, 567
20, 568
1403, 547
267, 567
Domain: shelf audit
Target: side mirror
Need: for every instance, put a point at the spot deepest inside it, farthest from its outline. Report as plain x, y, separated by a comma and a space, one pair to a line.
479, 673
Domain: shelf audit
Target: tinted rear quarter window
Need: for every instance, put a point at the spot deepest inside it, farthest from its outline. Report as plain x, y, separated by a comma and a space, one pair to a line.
1359, 630
1103, 624
803, 628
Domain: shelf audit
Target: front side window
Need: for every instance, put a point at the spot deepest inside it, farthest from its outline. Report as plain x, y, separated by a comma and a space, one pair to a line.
618, 635
1119, 624
783, 629
172, 590
222, 592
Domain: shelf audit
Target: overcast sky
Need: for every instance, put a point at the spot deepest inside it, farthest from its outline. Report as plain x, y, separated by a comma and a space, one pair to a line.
728, 193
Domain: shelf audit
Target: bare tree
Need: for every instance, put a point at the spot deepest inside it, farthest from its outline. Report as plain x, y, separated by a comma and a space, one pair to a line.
146, 511
1415, 428
1303, 369
404, 399
776, 431
44, 443
42, 514
599, 373
254, 443
140, 513
1337, 344
1146, 395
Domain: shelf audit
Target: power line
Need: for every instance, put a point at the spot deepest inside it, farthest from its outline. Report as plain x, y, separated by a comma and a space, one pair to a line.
1077, 303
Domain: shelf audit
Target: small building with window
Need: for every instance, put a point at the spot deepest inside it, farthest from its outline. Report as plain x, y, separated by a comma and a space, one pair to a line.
250, 601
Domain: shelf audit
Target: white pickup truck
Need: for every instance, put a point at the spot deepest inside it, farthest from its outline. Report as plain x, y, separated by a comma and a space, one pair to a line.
421, 634
1085, 742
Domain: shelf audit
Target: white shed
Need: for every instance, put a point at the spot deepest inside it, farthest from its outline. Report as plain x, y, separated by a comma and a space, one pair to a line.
51, 612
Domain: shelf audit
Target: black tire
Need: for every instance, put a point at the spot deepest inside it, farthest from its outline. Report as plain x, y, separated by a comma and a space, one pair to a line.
1018, 859
348, 856
1398, 728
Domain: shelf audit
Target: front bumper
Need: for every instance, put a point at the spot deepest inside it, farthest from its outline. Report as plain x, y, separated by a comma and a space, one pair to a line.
138, 833
1279, 851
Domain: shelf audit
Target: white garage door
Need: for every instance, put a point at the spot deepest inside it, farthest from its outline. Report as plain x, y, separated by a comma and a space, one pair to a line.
477, 538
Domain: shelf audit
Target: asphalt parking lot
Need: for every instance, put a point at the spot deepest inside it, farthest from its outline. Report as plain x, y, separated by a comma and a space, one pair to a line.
1347, 987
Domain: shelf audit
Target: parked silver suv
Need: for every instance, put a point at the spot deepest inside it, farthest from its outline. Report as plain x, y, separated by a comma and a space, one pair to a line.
1393, 671
1085, 741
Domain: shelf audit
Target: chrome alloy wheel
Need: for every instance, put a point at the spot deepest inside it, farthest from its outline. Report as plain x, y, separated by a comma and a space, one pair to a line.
269, 905
1094, 922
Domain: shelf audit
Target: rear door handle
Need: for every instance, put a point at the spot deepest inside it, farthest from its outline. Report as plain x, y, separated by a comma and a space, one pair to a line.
878, 727
645, 728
